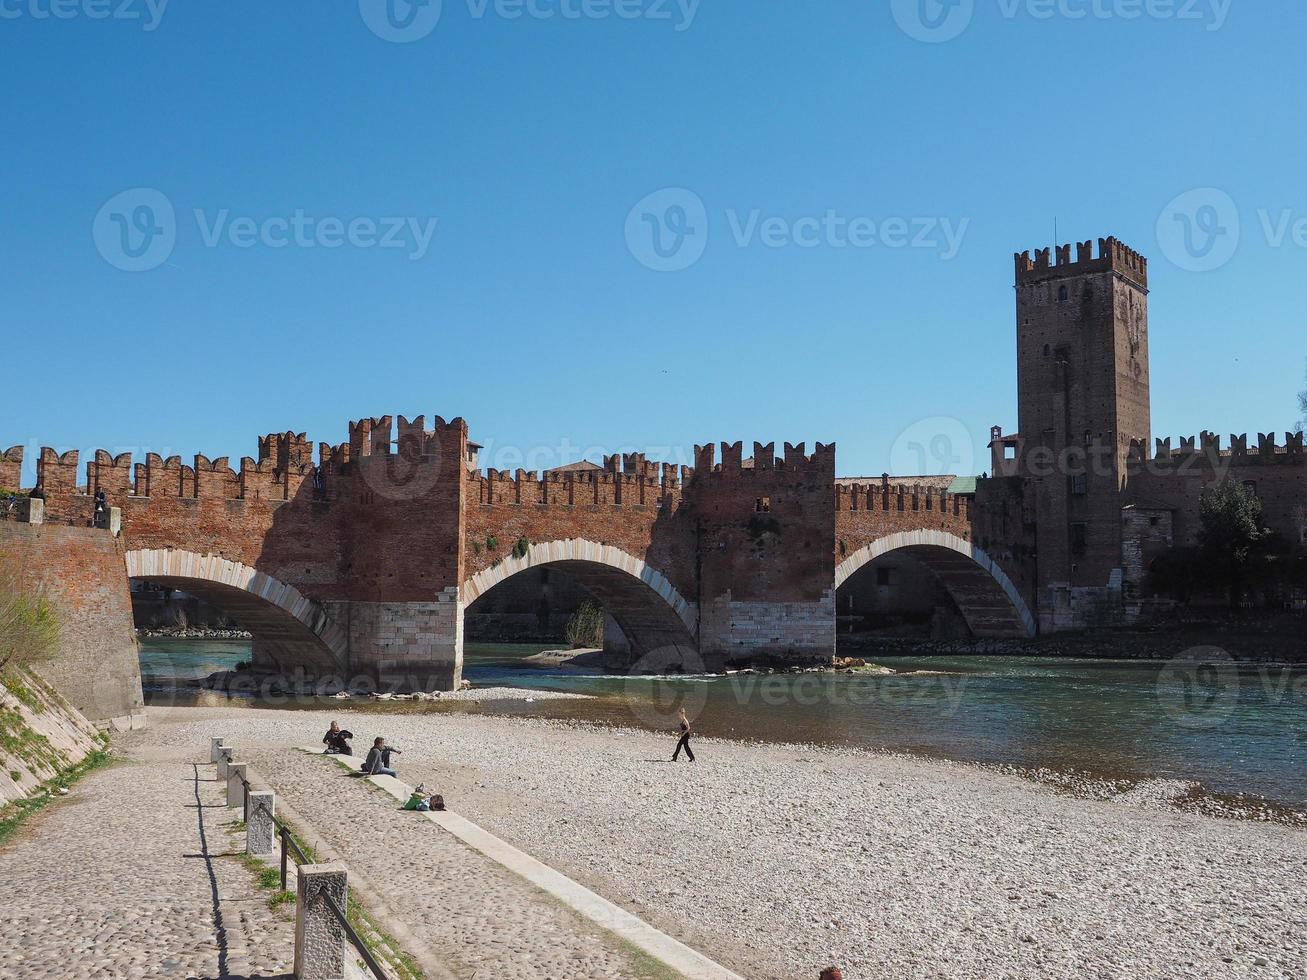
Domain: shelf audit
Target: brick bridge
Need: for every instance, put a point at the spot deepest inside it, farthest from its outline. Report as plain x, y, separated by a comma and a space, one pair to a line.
362, 565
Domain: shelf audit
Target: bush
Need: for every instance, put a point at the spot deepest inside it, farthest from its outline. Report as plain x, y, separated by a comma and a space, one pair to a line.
586, 627
29, 629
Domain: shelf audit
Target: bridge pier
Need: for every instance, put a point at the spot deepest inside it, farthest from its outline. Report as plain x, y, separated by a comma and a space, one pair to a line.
404, 646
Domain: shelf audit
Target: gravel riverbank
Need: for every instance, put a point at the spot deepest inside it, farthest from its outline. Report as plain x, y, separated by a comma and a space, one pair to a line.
776, 860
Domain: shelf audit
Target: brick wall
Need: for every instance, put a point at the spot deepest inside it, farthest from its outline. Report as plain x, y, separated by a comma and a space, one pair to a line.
81, 571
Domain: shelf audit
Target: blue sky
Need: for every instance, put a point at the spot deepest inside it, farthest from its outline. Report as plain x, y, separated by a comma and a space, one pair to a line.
530, 306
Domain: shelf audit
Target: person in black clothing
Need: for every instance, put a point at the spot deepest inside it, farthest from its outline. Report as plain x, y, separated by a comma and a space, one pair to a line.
337, 741
684, 742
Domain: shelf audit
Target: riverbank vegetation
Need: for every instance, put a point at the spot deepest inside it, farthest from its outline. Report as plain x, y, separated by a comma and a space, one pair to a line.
1237, 561
13, 816
29, 628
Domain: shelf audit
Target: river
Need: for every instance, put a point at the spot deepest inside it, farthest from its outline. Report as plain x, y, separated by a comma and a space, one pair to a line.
1232, 728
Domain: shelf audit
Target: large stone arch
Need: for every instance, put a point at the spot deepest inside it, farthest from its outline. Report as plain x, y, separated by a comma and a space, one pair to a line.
655, 617
289, 629
990, 602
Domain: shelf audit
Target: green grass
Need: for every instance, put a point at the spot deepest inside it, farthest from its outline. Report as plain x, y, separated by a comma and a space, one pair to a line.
269, 879
13, 816
19, 687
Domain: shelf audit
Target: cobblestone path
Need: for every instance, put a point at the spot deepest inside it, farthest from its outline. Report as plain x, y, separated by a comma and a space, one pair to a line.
480, 920
130, 878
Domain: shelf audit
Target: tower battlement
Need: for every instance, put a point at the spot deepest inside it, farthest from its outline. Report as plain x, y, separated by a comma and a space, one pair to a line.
1113, 256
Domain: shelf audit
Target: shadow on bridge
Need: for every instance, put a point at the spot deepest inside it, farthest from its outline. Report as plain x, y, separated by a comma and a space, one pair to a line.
987, 599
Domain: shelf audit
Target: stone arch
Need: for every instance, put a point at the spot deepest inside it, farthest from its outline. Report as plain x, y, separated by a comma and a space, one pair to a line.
289, 629
651, 612
990, 602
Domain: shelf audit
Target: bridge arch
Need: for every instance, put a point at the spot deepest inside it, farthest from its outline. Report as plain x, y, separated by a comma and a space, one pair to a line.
289, 629
653, 615
989, 601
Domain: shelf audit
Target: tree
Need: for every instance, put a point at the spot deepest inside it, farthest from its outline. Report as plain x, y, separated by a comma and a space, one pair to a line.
1231, 532
1302, 408
29, 628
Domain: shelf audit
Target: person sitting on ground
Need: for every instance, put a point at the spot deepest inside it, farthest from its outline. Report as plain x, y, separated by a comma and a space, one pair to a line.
831, 973
378, 761
337, 741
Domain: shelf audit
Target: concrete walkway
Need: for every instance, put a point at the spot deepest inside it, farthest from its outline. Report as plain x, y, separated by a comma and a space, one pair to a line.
473, 915
621, 923
129, 877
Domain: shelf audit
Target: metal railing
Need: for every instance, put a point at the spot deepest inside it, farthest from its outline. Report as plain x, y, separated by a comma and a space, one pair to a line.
291, 846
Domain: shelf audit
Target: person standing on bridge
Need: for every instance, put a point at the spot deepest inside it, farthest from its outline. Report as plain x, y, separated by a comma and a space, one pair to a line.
684, 742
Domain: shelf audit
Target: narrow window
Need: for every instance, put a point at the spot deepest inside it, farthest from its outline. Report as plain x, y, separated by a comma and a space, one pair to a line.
1062, 294
762, 505
1079, 537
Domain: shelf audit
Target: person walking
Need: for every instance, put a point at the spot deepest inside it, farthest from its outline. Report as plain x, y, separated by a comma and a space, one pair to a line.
684, 742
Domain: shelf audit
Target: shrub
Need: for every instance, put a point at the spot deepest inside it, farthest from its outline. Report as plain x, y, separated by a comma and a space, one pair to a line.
29, 629
586, 627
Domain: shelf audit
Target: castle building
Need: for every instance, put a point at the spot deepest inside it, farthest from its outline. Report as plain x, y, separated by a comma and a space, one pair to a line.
1082, 502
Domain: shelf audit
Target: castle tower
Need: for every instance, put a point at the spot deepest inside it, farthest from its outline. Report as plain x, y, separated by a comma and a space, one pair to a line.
1083, 395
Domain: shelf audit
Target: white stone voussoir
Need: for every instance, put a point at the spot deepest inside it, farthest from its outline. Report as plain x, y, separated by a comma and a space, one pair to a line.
172, 563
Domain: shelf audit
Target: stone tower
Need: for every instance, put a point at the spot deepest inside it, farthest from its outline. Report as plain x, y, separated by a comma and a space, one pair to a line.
1082, 390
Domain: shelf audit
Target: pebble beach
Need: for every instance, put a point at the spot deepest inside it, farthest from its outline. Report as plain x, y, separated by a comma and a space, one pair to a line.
777, 860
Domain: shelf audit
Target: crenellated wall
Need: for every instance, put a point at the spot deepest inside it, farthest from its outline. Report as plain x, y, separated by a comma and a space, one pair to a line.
1174, 478
11, 468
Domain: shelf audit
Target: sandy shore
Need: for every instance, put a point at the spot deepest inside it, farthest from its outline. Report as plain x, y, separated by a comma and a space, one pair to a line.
776, 860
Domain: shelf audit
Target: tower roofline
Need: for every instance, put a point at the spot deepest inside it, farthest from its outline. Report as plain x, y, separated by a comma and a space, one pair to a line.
1113, 256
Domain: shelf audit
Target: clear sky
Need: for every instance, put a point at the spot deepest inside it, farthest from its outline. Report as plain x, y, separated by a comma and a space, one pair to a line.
864, 171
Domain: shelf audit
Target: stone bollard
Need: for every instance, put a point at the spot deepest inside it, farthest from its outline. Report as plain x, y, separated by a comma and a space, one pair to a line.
214, 745
225, 755
319, 937
235, 788
260, 831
